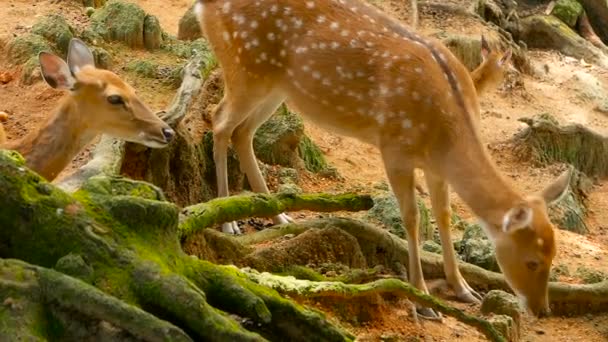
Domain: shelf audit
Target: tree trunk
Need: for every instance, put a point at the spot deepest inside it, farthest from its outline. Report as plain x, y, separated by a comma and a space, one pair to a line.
597, 10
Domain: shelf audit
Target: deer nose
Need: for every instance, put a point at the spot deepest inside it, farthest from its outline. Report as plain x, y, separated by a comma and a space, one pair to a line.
168, 133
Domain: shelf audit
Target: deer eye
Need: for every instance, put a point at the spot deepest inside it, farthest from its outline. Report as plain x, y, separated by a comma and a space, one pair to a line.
532, 265
116, 100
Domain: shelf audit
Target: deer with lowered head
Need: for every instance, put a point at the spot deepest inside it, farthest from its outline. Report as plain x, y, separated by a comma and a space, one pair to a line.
98, 102
358, 72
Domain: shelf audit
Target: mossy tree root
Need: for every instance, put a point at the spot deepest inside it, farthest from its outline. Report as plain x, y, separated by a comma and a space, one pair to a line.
118, 236
564, 299
226, 209
311, 289
50, 287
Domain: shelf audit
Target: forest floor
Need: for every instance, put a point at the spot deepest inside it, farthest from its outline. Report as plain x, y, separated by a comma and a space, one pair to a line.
552, 90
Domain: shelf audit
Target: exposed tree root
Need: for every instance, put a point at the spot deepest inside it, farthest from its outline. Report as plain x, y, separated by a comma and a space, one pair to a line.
310, 289
382, 248
118, 236
548, 142
225, 209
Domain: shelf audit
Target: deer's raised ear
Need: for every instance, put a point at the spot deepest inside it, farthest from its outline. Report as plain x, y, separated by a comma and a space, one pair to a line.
506, 57
555, 191
55, 71
79, 56
485, 48
518, 217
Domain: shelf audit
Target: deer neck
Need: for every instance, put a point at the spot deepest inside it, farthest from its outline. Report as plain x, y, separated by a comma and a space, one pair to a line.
50, 149
475, 178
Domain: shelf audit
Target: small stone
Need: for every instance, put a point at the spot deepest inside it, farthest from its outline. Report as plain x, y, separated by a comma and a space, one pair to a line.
506, 326
501, 303
89, 11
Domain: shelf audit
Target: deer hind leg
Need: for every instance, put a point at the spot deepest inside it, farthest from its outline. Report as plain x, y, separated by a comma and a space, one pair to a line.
232, 110
242, 140
440, 202
403, 185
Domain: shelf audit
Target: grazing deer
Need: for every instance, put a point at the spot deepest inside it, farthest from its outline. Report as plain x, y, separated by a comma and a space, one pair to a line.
99, 102
356, 71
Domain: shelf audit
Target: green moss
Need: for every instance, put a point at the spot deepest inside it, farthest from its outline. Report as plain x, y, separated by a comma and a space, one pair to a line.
143, 68
22, 48
303, 272
103, 59
311, 154
56, 30
31, 71
568, 11
386, 210
120, 21
589, 276
117, 185
477, 249
465, 48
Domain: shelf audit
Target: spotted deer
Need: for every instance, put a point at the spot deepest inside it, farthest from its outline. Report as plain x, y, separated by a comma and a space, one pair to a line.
356, 71
98, 102
491, 72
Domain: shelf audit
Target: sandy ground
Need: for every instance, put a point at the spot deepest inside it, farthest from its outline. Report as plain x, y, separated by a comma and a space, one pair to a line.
553, 91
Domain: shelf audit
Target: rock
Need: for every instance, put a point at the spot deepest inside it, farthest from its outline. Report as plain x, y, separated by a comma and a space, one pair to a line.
501, 303
153, 33
386, 211
289, 188
93, 3
22, 48
120, 21
103, 59
475, 248
567, 11
589, 87
602, 107
56, 30
143, 68
288, 175
431, 246
506, 326
89, 11
589, 276
559, 270
189, 28
31, 72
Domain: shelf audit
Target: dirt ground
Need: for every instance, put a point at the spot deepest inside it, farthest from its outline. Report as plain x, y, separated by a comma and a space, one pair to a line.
552, 90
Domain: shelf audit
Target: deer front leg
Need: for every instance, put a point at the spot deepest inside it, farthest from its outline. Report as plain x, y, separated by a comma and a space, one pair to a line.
402, 183
242, 139
440, 202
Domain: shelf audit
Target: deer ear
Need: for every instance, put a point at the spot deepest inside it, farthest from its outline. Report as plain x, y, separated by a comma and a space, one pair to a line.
518, 217
555, 191
79, 56
485, 48
55, 71
506, 57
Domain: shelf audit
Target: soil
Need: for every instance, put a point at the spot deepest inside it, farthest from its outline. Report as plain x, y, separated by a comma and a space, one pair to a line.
551, 90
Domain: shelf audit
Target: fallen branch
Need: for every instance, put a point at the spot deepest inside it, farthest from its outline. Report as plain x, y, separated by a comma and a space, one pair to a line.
311, 289
225, 209
109, 153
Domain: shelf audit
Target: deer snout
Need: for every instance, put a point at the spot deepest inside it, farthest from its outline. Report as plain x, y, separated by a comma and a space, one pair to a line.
168, 133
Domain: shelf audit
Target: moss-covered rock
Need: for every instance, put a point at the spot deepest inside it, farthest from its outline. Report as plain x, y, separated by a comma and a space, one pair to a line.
56, 30
312, 156
93, 3
501, 303
568, 11
153, 33
189, 27
120, 21
506, 326
386, 211
431, 246
475, 248
103, 59
143, 68
557, 271
589, 276
466, 49
22, 48
276, 141
31, 72
75, 266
